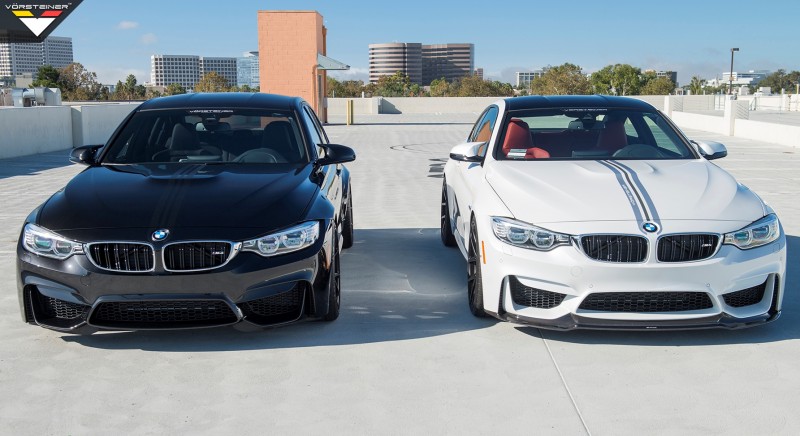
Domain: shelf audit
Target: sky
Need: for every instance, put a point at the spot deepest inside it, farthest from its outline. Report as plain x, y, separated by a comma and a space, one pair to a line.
115, 38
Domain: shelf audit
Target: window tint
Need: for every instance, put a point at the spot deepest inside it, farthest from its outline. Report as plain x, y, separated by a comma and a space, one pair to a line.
591, 134
208, 136
314, 130
482, 131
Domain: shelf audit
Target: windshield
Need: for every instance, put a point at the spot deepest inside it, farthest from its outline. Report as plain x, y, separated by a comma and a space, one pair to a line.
590, 134
209, 136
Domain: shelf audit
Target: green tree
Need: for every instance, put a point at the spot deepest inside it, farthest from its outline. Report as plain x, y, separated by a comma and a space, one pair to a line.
658, 86
696, 85
47, 77
566, 79
130, 90
396, 85
781, 80
211, 82
618, 79
77, 83
174, 89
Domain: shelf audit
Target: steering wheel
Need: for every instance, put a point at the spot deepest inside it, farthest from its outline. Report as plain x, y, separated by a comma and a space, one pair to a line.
260, 155
639, 151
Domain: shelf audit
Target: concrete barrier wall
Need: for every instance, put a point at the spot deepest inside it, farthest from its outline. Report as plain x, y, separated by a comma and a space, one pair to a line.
27, 130
361, 106
94, 124
769, 132
698, 103
433, 105
708, 123
656, 100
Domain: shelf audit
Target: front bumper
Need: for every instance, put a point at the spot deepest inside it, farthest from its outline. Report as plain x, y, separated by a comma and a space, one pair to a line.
249, 292
568, 272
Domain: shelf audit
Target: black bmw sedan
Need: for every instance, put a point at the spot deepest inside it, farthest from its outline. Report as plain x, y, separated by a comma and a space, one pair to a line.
202, 210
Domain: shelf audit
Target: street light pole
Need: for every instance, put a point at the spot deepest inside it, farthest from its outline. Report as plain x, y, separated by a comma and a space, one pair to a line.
730, 86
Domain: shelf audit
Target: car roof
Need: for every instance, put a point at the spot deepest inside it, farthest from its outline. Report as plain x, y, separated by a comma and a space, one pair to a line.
223, 100
587, 101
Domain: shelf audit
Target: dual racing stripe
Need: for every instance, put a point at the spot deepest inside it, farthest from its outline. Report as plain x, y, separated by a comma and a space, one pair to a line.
641, 203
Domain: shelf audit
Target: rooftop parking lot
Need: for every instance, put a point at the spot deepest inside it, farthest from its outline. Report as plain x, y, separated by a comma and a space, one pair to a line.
406, 356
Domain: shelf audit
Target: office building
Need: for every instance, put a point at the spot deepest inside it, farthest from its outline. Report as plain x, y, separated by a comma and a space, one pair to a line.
750, 78
26, 58
478, 72
524, 78
421, 63
448, 61
247, 70
388, 59
187, 70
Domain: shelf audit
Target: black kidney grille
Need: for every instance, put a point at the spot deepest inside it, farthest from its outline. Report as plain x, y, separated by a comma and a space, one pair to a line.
532, 297
615, 248
119, 256
646, 302
685, 248
283, 307
162, 314
745, 297
193, 256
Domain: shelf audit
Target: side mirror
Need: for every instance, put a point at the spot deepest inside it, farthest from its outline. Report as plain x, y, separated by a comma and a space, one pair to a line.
84, 155
336, 154
711, 150
468, 152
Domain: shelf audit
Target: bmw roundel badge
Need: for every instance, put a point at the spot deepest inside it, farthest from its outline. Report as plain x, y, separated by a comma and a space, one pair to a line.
650, 227
160, 234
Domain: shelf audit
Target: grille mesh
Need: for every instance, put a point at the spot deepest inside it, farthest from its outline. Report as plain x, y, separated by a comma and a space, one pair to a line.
163, 314
746, 297
646, 302
278, 308
54, 312
532, 297
118, 256
685, 248
615, 248
192, 256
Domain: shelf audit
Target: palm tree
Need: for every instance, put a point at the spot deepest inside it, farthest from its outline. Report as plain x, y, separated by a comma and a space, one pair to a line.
696, 85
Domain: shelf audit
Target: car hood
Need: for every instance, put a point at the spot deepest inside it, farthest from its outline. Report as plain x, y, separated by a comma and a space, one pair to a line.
627, 190
176, 196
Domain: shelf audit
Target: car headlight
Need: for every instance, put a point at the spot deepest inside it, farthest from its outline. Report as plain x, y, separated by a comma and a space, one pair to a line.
761, 232
43, 242
524, 235
286, 241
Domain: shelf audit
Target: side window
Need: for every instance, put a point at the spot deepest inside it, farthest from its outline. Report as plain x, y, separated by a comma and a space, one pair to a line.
482, 132
314, 135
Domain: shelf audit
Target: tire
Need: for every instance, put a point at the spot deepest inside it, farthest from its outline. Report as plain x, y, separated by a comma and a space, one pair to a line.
474, 276
334, 284
347, 223
445, 228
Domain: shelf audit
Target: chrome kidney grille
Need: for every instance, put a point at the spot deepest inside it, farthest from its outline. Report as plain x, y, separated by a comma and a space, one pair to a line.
122, 256
196, 256
615, 248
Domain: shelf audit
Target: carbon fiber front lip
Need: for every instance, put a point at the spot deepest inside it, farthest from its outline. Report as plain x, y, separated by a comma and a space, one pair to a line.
573, 322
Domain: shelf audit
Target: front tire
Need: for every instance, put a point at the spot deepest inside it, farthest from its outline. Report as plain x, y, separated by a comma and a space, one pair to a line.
474, 276
347, 223
334, 284
445, 228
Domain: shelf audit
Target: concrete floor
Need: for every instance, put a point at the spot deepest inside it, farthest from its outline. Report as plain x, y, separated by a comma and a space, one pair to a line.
405, 357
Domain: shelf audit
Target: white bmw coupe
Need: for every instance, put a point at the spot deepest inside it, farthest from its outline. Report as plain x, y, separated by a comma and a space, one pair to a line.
597, 212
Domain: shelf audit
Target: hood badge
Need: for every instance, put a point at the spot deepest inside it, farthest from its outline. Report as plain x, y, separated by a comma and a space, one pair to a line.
650, 227
160, 234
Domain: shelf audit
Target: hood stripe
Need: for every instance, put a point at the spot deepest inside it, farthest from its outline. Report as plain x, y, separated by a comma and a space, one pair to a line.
637, 208
639, 186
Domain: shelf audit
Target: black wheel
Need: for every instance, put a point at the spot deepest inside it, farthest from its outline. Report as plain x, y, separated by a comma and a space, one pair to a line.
347, 223
474, 283
334, 284
446, 230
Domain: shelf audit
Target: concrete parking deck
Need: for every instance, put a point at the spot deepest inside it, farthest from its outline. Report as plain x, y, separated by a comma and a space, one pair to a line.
405, 357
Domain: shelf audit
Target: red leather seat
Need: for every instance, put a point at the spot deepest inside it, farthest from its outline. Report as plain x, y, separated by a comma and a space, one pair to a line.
613, 136
518, 136
537, 153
